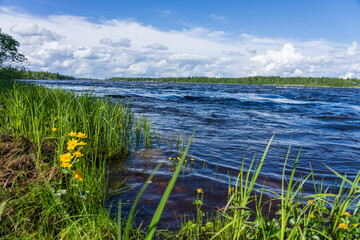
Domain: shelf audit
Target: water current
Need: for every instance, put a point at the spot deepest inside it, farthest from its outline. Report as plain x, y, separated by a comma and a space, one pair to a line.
230, 121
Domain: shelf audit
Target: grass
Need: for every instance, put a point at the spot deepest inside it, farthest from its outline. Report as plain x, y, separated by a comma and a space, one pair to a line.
41, 199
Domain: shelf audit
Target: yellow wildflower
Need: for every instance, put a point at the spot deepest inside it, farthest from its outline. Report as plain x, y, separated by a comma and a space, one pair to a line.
355, 225
192, 159
81, 135
54, 129
347, 214
343, 226
199, 190
310, 202
170, 158
81, 144
54, 118
120, 125
1, 109
71, 144
312, 215
66, 157
72, 134
186, 160
63, 235
66, 164
178, 158
78, 154
78, 175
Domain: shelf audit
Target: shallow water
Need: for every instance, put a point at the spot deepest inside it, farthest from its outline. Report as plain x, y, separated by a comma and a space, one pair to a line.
230, 121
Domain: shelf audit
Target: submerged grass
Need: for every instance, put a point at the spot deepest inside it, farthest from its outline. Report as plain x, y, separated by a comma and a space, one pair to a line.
44, 198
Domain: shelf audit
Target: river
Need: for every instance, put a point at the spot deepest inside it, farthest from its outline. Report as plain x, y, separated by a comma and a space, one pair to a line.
230, 121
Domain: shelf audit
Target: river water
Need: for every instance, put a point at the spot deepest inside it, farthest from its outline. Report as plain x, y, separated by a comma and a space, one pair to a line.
230, 121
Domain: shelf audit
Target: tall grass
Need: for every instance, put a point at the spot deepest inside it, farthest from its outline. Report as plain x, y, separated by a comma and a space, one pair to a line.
53, 206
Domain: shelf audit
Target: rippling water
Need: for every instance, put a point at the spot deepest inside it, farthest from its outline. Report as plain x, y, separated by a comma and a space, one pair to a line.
230, 121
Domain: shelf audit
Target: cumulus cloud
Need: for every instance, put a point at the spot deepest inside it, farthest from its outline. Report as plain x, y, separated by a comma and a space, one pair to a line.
352, 50
233, 53
116, 42
157, 46
75, 45
251, 50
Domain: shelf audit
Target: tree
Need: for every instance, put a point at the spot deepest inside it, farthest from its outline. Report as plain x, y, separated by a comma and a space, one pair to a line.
10, 58
9, 51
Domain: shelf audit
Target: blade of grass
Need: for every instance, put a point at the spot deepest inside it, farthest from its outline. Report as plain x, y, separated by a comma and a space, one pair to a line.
166, 195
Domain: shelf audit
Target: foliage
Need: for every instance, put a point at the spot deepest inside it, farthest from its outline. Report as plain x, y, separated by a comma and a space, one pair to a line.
9, 50
45, 75
257, 80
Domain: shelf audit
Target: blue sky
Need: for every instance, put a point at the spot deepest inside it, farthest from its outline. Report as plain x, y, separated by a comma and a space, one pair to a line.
187, 38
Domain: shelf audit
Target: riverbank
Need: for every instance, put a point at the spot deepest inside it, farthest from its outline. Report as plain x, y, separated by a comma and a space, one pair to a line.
257, 80
47, 130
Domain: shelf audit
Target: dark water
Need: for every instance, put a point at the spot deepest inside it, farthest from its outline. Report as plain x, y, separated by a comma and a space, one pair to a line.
230, 119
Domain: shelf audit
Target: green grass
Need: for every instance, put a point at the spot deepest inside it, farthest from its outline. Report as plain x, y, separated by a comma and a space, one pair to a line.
41, 200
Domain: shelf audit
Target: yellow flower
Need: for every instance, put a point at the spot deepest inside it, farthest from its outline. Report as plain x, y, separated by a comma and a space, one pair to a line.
78, 175
310, 202
186, 160
78, 154
1, 109
66, 164
81, 135
120, 125
312, 215
81, 144
54, 118
343, 226
63, 235
54, 129
355, 225
66, 157
231, 189
170, 158
72, 134
178, 158
71, 144
347, 214
199, 190
192, 159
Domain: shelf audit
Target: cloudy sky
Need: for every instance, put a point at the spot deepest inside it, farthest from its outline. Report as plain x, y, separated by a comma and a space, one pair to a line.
162, 38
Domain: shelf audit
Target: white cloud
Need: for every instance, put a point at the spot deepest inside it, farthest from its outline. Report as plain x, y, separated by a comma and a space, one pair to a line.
116, 42
217, 18
157, 46
286, 55
73, 45
352, 50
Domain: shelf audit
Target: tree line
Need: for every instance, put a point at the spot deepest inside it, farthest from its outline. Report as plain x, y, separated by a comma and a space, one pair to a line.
255, 80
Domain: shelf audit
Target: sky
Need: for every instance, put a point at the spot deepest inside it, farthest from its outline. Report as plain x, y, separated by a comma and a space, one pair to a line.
162, 38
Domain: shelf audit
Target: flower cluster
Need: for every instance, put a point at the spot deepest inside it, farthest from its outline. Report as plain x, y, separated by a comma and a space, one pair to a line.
74, 145
176, 160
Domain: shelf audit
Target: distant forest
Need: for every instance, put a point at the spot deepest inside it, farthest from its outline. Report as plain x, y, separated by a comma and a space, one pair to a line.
45, 75
257, 80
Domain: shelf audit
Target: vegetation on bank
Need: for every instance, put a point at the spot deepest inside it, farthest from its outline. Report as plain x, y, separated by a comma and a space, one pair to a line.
45, 75
54, 148
257, 80
41, 195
